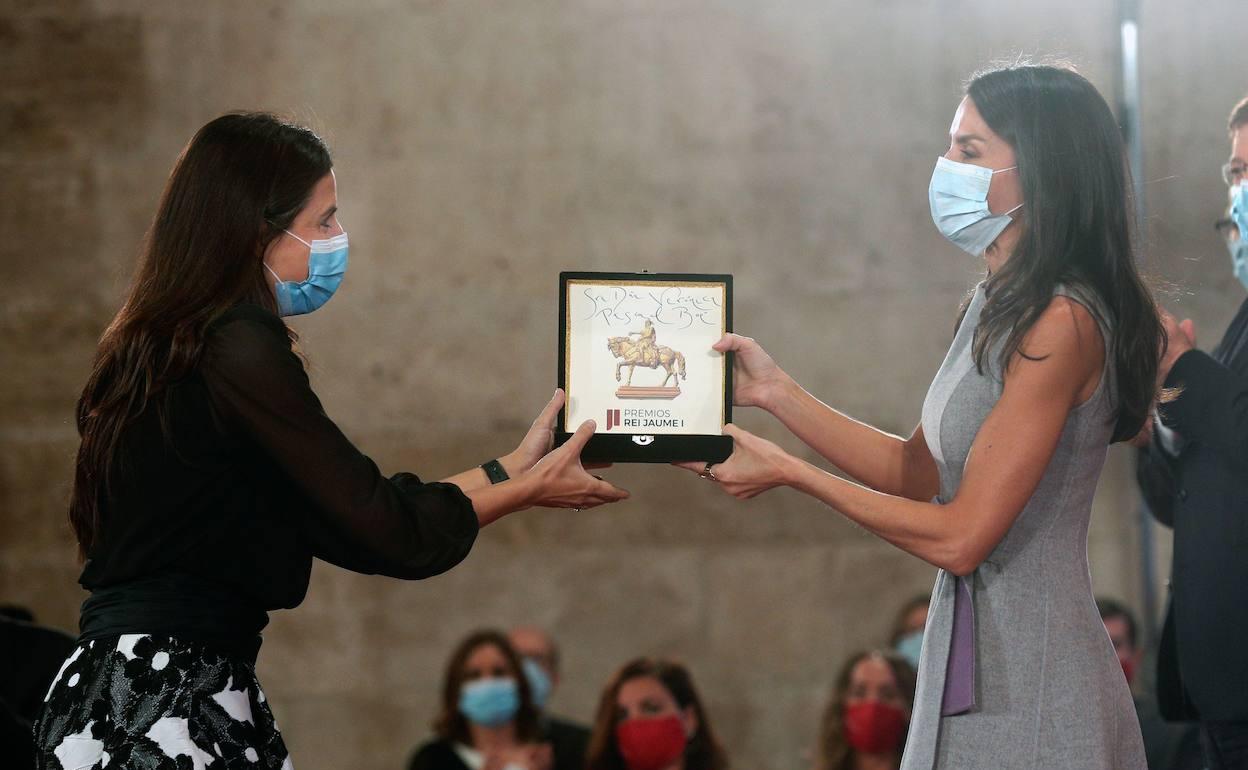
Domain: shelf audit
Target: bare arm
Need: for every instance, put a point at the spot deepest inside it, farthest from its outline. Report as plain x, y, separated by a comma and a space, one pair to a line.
1005, 465
538, 476
536, 443
880, 460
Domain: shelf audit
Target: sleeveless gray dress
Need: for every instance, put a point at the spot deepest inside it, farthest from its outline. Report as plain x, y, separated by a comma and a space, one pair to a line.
1017, 670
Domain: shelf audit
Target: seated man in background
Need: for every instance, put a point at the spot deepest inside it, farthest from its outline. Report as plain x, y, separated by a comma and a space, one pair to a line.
30, 656
540, 657
1166, 746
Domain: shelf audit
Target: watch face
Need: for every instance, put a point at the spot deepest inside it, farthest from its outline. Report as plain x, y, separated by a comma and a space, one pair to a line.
636, 357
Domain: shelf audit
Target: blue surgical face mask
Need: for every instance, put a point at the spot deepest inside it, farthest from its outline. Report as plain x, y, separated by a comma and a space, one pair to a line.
910, 646
958, 194
1239, 246
490, 702
539, 682
326, 265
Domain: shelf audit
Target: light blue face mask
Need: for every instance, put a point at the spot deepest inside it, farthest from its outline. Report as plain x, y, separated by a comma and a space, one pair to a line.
910, 647
327, 263
539, 682
1239, 246
958, 194
490, 702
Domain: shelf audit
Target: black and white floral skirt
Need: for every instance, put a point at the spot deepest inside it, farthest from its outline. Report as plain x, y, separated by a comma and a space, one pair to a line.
156, 703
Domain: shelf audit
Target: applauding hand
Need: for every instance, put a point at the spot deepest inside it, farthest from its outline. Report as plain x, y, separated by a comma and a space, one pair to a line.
756, 465
1180, 338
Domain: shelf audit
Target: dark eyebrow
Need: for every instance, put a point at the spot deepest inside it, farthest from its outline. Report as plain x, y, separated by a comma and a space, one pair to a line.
332, 210
965, 138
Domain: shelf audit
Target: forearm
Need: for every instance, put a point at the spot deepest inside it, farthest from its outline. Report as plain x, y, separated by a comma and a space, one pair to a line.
475, 478
494, 501
927, 530
879, 460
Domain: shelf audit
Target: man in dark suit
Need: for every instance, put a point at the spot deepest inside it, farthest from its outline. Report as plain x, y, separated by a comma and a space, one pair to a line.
568, 740
1193, 472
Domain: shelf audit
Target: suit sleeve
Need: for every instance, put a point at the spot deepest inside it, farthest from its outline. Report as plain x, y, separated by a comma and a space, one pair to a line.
1154, 471
1213, 405
357, 518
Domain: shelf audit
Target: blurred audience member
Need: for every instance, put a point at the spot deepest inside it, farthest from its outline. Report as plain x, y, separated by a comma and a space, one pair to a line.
540, 657
907, 637
864, 726
651, 718
30, 657
488, 720
17, 612
1167, 746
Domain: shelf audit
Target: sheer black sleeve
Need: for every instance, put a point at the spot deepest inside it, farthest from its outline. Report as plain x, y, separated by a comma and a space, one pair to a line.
358, 519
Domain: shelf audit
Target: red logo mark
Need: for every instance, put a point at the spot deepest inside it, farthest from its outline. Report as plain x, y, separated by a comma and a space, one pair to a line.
613, 418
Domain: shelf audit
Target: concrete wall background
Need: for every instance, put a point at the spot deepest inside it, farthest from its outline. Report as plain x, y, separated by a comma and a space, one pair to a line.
482, 147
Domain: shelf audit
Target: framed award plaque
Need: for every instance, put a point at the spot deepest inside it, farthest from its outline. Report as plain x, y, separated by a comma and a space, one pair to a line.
635, 356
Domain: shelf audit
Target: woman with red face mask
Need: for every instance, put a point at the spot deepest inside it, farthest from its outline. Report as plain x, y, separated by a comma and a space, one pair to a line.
864, 726
651, 718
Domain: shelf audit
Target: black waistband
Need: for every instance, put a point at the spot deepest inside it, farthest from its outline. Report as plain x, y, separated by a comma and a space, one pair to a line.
182, 606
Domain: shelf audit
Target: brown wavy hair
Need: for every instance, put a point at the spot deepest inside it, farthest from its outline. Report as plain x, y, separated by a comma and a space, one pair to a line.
235, 187
1077, 228
834, 751
703, 752
450, 723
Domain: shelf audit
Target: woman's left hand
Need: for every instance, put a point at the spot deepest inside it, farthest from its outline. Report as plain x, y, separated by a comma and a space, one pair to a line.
756, 465
538, 442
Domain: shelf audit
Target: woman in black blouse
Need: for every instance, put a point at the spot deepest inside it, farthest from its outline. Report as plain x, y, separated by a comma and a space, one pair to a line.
209, 476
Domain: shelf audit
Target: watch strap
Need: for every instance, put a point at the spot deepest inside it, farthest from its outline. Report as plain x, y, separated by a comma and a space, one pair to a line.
495, 472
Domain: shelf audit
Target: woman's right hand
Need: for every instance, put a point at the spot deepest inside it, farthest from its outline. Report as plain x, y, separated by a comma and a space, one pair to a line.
756, 377
559, 480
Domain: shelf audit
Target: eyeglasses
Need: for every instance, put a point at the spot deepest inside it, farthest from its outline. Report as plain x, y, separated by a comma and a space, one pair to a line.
1234, 172
1227, 229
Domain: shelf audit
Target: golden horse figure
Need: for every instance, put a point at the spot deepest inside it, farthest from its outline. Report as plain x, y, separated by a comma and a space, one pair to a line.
633, 354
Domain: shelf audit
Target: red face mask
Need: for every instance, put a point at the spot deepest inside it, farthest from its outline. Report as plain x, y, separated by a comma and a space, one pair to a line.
650, 744
873, 727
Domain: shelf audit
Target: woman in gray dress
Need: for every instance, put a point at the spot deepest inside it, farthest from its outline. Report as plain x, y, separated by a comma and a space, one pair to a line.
1055, 357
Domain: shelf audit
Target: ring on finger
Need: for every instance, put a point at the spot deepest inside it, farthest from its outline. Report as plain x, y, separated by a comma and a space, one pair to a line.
708, 474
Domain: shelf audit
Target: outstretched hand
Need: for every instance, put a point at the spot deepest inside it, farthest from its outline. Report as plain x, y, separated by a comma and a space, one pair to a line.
756, 377
540, 439
561, 481
756, 465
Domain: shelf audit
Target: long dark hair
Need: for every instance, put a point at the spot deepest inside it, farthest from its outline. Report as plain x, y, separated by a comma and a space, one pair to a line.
450, 723
834, 751
1077, 226
236, 186
703, 752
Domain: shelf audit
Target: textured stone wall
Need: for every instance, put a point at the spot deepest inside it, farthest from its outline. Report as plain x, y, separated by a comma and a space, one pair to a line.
482, 147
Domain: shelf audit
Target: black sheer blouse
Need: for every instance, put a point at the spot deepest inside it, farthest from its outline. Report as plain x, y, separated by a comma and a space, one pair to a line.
206, 530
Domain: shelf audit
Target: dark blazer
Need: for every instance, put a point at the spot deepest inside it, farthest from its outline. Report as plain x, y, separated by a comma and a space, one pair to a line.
437, 754
30, 657
569, 742
1203, 494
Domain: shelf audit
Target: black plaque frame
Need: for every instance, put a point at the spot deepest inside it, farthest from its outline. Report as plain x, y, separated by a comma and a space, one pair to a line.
661, 448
